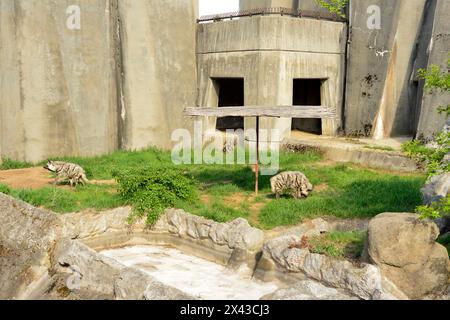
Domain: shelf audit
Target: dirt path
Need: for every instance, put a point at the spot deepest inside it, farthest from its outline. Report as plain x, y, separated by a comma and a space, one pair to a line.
34, 178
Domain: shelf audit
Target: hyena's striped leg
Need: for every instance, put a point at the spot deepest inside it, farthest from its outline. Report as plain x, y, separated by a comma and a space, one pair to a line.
277, 195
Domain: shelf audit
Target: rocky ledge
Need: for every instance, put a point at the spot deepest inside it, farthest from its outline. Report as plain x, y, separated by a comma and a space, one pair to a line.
48, 256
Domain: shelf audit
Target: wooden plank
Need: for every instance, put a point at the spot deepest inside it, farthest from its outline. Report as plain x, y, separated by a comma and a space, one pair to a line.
318, 112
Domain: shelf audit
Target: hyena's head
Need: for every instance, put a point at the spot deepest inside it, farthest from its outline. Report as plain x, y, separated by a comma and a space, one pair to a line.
50, 166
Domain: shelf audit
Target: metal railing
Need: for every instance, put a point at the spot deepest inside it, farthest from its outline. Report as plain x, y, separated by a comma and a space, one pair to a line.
273, 11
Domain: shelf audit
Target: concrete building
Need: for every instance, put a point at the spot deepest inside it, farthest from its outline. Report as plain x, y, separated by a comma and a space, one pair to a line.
122, 78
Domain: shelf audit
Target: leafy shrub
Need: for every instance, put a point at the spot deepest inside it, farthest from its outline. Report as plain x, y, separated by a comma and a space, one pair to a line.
433, 157
152, 190
430, 158
436, 209
334, 6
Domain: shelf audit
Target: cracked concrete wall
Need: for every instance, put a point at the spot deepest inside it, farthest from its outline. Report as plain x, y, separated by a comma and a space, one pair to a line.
120, 81
383, 94
378, 99
438, 50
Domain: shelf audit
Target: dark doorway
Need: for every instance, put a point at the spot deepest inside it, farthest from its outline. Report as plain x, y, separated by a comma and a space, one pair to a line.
307, 92
231, 94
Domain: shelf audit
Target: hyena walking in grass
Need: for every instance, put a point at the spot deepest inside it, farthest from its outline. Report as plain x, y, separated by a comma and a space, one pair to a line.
293, 181
67, 171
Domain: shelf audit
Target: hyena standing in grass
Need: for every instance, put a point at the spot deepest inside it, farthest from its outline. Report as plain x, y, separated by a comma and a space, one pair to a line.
296, 182
67, 171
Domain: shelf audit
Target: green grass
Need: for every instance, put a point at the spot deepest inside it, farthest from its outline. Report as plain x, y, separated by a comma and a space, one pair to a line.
350, 191
380, 148
341, 245
8, 164
65, 201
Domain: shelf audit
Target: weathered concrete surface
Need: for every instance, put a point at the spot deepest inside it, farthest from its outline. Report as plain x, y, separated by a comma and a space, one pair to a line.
378, 97
121, 80
430, 121
287, 49
58, 86
159, 70
340, 150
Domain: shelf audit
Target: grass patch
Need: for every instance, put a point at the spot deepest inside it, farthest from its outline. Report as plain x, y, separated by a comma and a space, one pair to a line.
340, 245
64, 201
8, 164
351, 191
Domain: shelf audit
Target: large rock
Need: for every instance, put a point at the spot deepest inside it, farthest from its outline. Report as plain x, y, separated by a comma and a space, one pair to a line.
89, 271
27, 235
404, 248
363, 281
237, 234
309, 290
436, 188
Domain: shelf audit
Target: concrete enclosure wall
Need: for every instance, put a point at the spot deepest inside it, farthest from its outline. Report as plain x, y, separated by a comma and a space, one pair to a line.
285, 49
119, 80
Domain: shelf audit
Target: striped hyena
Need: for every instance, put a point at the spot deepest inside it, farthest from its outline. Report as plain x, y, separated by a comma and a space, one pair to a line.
296, 182
67, 171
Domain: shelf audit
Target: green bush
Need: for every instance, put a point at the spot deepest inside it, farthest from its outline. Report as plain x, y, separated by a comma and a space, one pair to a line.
430, 158
436, 209
152, 190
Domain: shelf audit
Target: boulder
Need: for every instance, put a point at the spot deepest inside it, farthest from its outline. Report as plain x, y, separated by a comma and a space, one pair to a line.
363, 281
237, 234
404, 248
309, 290
133, 284
436, 188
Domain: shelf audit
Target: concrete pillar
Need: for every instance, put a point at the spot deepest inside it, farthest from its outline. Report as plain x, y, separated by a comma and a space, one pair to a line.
430, 121
58, 81
379, 99
159, 70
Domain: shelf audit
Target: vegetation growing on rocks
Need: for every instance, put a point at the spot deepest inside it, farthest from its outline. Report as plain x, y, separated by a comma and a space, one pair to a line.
435, 157
341, 245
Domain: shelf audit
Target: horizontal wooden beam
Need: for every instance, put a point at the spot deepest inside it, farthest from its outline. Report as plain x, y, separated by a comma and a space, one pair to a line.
308, 112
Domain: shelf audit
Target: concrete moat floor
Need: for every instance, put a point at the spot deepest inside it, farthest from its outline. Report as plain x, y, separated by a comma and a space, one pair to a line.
192, 275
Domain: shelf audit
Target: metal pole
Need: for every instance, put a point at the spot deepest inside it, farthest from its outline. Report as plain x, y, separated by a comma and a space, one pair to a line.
257, 158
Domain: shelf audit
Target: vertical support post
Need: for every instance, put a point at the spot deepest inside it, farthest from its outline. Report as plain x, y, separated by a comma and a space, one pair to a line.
257, 158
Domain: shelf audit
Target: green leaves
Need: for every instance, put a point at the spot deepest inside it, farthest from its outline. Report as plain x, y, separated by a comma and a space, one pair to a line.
431, 158
436, 210
152, 190
334, 6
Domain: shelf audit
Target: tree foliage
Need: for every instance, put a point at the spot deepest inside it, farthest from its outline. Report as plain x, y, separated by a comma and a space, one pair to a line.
334, 6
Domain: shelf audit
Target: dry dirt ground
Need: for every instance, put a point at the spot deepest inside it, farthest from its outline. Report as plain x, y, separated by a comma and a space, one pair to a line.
33, 178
